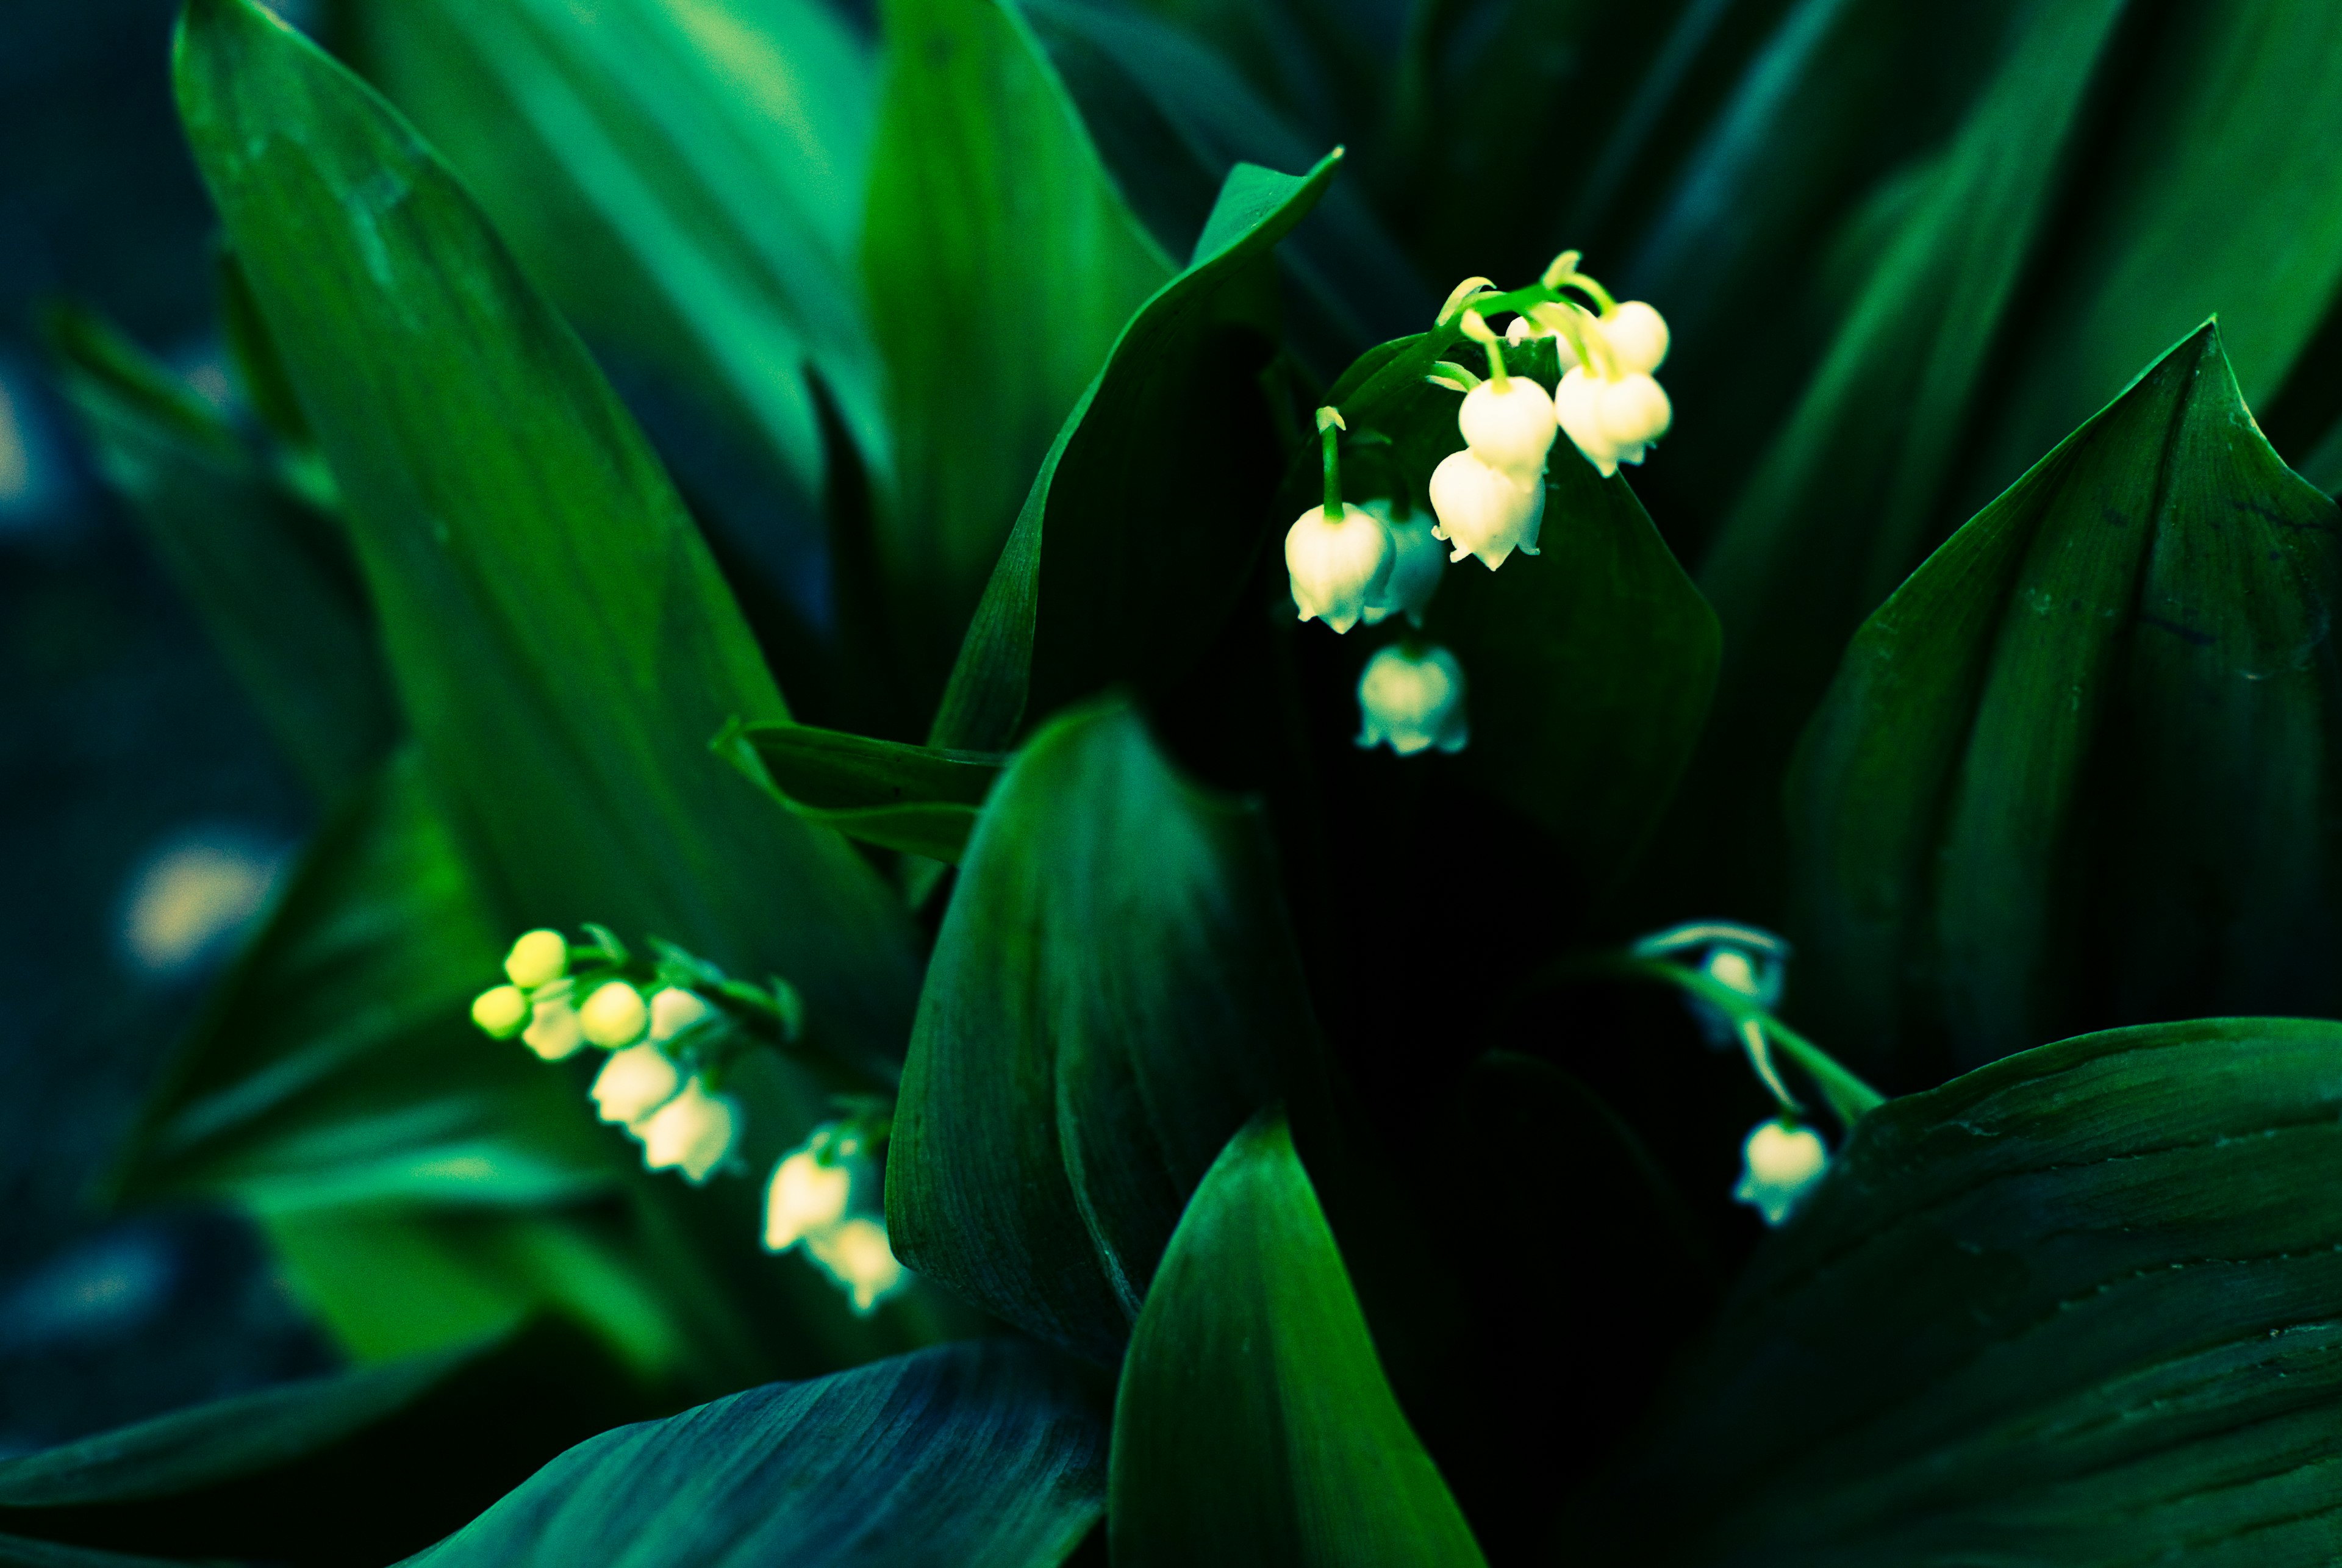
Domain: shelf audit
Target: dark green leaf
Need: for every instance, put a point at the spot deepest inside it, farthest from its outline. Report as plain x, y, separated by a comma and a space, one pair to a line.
269, 571
1131, 551
685, 179
1254, 1424
901, 797
1002, 264
2081, 769
1113, 991
981, 1454
562, 642
2072, 1309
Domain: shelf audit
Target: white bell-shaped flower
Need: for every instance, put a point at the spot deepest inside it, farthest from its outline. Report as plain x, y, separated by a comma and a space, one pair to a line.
1784, 1160
1338, 566
1485, 510
1509, 429
553, 1031
1633, 412
691, 1133
538, 958
613, 1015
675, 1010
805, 1197
855, 1254
1417, 562
1409, 700
633, 1082
501, 1010
1636, 336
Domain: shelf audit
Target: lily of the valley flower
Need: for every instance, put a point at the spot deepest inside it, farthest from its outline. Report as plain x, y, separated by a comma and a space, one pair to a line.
501, 1012
537, 958
675, 1010
1611, 408
855, 1254
1417, 562
805, 1196
1411, 699
692, 1133
613, 1015
1783, 1160
553, 1031
633, 1082
1508, 426
1485, 510
1339, 564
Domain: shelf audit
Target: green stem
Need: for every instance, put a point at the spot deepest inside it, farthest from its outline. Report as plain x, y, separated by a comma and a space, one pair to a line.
1331, 436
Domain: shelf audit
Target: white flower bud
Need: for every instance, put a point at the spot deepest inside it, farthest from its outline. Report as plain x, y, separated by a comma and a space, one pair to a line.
691, 1133
1415, 566
553, 1031
501, 1012
855, 1254
1411, 701
1633, 412
1636, 336
805, 1198
1522, 329
675, 1010
1510, 430
633, 1082
1783, 1162
538, 958
1338, 567
1483, 511
613, 1015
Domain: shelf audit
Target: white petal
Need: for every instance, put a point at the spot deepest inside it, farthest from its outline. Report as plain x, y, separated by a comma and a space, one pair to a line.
633, 1082
1637, 336
1411, 701
804, 1196
692, 1132
1482, 511
1336, 566
1577, 407
1633, 412
1510, 430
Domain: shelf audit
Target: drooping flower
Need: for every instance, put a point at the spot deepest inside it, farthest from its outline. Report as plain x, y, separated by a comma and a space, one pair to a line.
1417, 562
805, 1196
1412, 699
633, 1082
855, 1254
537, 958
553, 1031
1509, 426
613, 1015
692, 1133
501, 1012
1339, 564
1485, 510
675, 1010
1783, 1162
1636, 336
1611, 408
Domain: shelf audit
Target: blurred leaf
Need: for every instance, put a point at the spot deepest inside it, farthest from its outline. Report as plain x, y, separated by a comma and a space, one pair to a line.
2081, 770
1113, 991
982, 1454
685, 177
1130, 552
904, 797
1253, 1423
561, 642
270, 576
2074, 1309
17, 1552
357, 1467
1002, 264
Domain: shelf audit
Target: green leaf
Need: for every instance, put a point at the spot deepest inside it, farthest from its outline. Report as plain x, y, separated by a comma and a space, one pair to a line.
1002, 264
1253, 1424
1132, 549
269, 574
981, 1454
687, 179
2081, 770
886, 792
2075, 1309
562, 642
1114, 990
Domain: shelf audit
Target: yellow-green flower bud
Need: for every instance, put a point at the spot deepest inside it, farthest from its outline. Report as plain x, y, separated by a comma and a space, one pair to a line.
613, 1015
501, 1012
538, 958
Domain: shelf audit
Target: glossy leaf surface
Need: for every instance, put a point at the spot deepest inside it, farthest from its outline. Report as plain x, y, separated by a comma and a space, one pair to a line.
1254, 1424
1113, 991
2081, 769
1002, 263
2073, 1308
980, 1455
561, 640
1129, 553
904, 797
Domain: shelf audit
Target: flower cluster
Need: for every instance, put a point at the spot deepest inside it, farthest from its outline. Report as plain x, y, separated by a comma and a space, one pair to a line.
824, 1196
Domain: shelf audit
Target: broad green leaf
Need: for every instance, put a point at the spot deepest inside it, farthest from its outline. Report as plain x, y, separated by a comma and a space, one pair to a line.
269, 574
886, 792
561, 640
1131, 550
2081, 770
982, 1454
355, 1467
1253, 1424
1001, 263
685, 177
1113, 991
2075, 1309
